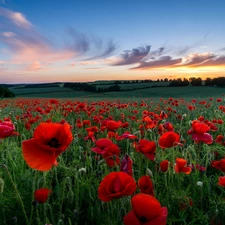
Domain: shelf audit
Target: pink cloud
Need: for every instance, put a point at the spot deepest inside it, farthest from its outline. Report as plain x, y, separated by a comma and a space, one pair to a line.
26, 45
197, 59
36, 65
17, 18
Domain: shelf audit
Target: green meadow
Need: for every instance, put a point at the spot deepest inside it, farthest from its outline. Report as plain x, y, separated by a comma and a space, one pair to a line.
143, 90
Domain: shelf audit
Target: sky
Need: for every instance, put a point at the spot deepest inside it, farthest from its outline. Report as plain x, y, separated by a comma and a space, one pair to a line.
87, 40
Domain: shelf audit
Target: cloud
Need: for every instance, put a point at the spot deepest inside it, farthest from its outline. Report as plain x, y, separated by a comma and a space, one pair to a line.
94, 68
132, 56
154, 54
87, 63
163, 61
197, 59
164, 57
24, 44
36, 65
88, 44
215, 61
17, 18
109, 49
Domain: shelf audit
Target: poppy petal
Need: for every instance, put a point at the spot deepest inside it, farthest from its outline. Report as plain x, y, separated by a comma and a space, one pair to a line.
131, 218
186, 170
160, 220
36, 157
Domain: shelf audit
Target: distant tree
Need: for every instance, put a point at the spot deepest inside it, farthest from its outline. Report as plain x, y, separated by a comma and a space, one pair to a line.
185, 82
208, 81
179, 82
196, 81
115, 87
166, 80
218, 81
6, 93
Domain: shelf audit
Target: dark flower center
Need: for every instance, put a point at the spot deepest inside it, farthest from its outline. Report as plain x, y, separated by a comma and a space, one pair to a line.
54, 143
142, 219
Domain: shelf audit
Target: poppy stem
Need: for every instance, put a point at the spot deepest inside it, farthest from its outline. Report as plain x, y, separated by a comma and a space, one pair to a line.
17, 193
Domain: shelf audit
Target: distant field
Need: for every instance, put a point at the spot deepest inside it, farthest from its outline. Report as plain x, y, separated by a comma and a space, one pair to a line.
51, 92
134, 85
176, 92
61, 92
22, 91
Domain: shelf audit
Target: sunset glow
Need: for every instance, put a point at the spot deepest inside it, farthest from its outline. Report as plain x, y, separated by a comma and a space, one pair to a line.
108, 40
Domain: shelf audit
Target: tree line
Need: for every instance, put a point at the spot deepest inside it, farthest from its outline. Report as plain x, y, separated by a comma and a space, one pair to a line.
6, 93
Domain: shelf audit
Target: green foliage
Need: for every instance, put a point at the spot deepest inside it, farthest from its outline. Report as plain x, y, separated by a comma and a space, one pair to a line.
75, 180
6, 93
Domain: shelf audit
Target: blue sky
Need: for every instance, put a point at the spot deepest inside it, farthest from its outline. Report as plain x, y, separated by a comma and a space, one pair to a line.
71, 40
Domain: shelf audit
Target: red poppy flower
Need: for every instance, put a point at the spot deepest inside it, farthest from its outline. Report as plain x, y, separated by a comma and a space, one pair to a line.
220, 121
27, 126
108, 150
112, 155
41, 195
126, 165
112, 134
200, 128
50, 140
93, 129
102, 145
116, 185
146, 210
168, 126
147, 148
163, 115
86, 123
169, 140
198, 167
91, 136
161, 129
126, 135
221, 181
220, 139
219, 165
198, 132
6, 129
206, 138
164, 165
112, 125
146, 186
181, 167
125, 125
149, 123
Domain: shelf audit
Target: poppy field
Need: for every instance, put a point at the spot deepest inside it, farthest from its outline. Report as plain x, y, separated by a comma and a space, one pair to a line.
152, 161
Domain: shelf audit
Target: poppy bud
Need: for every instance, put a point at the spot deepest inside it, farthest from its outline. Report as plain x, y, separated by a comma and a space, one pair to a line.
149, 172
164, 165
199, 183
101, 161
82, 170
